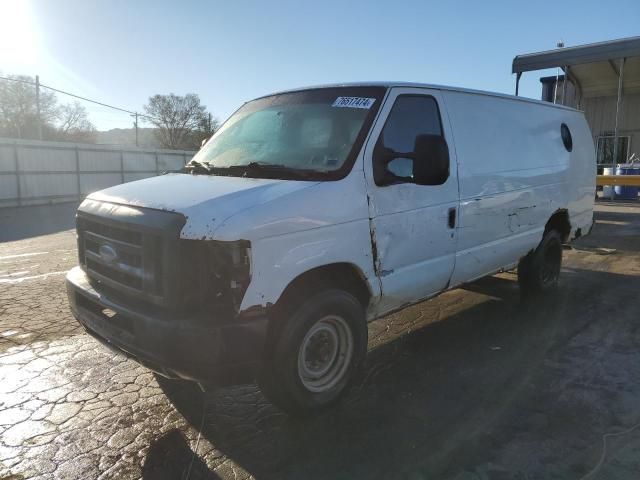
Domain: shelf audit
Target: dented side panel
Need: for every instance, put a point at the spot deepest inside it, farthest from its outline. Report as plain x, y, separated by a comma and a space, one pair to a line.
319, 226
415, 247
514, 174
279, 260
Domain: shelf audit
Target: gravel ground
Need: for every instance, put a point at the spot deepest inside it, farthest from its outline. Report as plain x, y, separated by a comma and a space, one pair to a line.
501, 389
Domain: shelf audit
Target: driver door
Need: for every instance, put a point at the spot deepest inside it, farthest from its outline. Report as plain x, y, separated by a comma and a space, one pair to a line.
413, 226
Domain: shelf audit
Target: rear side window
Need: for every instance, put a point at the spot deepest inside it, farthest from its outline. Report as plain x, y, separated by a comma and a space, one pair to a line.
565, 133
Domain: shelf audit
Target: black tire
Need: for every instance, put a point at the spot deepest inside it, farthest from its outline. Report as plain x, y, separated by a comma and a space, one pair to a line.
282, 381
539, 271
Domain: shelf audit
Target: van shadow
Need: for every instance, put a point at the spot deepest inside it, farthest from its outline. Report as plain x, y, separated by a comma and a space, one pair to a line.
428, 400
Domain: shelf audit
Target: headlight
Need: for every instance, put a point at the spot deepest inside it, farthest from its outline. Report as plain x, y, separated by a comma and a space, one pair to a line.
214, 275
229, 270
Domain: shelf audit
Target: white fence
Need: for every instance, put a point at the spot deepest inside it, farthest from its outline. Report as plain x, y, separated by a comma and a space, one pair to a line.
34, 172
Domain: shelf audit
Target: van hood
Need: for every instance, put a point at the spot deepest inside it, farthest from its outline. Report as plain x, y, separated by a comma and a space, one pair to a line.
205, 200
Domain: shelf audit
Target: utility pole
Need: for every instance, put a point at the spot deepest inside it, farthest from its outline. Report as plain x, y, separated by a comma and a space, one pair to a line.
135, 124
38, 119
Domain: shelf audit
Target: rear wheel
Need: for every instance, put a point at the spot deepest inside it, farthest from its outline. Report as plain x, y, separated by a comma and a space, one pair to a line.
539, 270
318, 351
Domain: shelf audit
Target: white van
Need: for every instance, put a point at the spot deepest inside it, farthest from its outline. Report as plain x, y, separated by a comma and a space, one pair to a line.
313, 211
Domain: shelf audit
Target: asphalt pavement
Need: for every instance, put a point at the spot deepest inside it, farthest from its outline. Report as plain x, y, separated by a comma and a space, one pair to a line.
477, 383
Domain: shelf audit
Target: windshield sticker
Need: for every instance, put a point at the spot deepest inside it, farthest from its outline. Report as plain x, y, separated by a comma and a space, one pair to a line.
353, 102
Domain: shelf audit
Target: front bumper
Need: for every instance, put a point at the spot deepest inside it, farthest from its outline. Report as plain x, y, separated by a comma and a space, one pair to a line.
187, 346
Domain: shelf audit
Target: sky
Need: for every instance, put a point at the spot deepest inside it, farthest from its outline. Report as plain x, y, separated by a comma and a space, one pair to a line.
122, 52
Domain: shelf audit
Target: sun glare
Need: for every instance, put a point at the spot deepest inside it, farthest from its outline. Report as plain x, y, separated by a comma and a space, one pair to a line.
18, 35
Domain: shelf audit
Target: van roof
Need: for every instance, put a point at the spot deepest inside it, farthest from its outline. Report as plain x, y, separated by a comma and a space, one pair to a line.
429, 86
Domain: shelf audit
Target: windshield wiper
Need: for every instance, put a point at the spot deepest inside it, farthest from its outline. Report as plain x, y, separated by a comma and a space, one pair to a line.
196, 166
269, 168
259, 166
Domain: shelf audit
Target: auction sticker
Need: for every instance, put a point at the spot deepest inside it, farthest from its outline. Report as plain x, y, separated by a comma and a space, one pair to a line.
353, 102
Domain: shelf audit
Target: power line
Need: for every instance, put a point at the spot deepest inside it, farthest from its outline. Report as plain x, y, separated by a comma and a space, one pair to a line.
95, 101
77, 96
16, 80
39, 85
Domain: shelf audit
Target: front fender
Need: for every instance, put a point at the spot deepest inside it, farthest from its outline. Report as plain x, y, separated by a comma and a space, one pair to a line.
277, 261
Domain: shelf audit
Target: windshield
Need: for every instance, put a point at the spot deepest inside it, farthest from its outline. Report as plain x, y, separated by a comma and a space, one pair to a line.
317, 133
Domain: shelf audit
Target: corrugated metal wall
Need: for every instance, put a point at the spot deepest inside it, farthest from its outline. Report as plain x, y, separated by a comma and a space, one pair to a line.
601, 115
33, 172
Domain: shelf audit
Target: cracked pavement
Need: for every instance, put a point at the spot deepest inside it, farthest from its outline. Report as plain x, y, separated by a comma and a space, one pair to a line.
501, 388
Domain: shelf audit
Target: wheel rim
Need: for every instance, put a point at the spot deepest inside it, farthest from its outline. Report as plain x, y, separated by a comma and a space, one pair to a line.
551, 264
325, 353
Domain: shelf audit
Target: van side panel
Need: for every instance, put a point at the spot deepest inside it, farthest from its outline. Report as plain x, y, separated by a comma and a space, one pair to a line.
514, 173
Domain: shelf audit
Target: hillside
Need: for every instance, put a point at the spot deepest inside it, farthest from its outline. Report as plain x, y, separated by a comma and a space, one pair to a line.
127, 136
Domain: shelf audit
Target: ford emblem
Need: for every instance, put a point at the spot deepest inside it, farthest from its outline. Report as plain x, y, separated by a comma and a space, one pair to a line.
107, 253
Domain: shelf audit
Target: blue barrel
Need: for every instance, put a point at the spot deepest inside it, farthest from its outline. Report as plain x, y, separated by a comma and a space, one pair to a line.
607, 190
623, 191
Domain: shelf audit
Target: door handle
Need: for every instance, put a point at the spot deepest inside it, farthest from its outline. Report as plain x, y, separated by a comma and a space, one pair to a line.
451, 221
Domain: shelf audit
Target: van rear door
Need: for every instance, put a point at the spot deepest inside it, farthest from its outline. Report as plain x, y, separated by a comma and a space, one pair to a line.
413, 226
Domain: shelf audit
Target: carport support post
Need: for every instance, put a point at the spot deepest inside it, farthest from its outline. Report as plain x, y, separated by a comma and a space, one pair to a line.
564, 85
518, 75
615, 130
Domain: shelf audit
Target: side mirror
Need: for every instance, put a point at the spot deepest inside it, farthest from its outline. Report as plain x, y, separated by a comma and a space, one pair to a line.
430, 160
427, 164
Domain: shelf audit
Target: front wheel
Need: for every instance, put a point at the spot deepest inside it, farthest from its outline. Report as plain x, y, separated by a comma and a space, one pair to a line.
539, 270
318, 351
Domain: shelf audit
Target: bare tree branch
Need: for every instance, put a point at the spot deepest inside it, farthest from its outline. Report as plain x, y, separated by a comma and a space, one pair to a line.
177, 118
73, 124
18, 109
19, 117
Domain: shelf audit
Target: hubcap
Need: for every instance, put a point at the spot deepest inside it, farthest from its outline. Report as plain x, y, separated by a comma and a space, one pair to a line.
325, 354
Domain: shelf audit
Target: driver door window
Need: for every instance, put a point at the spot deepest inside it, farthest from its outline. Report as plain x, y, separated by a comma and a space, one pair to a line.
411, 115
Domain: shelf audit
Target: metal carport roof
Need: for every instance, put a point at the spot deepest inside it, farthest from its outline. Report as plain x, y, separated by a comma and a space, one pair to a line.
593, 68
589, 53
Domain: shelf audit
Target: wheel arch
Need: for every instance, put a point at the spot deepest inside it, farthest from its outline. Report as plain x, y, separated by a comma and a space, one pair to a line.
341, 275
559, 222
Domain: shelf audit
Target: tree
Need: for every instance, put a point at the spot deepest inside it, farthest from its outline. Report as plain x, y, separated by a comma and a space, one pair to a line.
208, 127
74, 125
19, 113
177, 119
18, 108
